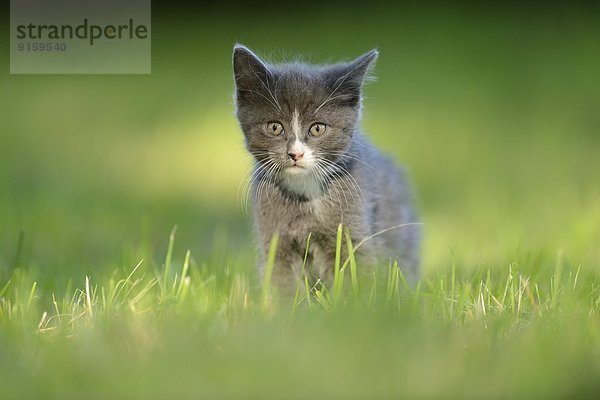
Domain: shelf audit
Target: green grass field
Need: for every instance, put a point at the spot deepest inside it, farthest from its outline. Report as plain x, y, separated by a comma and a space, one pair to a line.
493, 111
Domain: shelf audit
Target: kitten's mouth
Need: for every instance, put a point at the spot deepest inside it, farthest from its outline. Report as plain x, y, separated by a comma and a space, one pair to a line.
295, 169
297, 164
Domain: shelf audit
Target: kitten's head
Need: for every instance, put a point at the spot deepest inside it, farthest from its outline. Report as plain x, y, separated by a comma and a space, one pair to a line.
297, 117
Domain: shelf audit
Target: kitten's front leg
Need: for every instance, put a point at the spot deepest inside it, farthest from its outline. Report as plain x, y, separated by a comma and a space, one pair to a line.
287, 269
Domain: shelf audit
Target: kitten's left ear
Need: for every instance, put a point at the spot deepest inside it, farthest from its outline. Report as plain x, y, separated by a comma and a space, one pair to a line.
360, 67
347, 79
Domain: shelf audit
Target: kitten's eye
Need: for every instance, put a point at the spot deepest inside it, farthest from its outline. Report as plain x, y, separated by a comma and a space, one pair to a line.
274, 128
317, 129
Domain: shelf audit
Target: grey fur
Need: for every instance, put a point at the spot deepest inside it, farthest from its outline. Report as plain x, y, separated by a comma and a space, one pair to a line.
349, 181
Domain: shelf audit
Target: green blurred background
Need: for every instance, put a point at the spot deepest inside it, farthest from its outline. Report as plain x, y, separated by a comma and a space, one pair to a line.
495, 111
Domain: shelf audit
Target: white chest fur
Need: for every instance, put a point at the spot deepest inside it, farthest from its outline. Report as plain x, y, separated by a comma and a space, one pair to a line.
302, 183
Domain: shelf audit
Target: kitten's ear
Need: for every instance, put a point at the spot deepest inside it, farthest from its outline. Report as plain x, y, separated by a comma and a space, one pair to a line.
360, 67
248, 69
348, 78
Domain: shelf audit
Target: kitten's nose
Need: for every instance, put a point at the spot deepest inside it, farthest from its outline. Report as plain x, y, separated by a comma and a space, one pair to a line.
296, 156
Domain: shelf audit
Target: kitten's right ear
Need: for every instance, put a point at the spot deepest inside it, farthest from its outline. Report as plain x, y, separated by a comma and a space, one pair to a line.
249, 70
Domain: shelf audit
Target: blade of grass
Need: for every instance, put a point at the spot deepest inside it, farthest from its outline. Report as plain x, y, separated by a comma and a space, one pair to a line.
299, 279
352, 259
184, 271
268, 274
88, 296
337, 276
31, 294
168, 258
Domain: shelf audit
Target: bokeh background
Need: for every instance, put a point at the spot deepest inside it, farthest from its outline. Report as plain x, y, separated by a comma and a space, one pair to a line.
494, 110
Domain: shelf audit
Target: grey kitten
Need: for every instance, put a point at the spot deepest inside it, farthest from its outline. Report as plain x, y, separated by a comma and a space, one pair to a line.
314, 169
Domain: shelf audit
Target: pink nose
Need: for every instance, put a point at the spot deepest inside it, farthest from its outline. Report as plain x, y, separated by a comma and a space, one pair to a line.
296, 156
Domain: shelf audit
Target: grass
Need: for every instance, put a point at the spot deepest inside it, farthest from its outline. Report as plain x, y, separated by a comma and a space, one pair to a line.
184, 330
493, 111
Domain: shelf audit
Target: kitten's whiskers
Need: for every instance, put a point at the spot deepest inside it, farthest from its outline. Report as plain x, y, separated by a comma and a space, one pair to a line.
340, 172
259, 167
